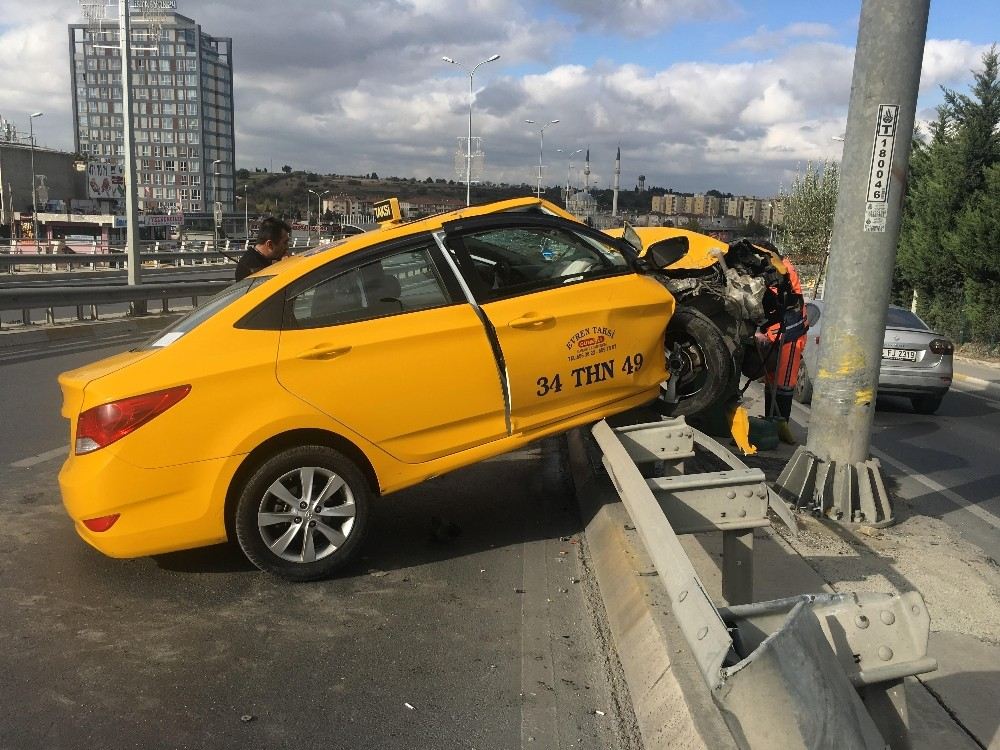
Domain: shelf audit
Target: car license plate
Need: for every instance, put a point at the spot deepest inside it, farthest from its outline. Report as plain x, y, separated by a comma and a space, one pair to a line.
906, 355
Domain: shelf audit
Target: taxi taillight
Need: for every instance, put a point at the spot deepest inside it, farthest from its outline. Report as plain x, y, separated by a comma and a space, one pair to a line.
102, 523
104, 424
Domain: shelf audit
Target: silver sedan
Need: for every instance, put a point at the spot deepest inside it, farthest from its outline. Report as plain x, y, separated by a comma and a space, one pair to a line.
916, 361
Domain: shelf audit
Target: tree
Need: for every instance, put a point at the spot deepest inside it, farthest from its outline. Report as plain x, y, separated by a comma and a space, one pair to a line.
809, 208
242, 174
286, 169
947, 249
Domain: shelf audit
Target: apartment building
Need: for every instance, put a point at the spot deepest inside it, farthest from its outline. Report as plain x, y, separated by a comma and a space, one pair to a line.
182, 109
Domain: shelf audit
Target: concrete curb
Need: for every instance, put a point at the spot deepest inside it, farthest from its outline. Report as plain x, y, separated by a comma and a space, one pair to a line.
989, 384
673, 705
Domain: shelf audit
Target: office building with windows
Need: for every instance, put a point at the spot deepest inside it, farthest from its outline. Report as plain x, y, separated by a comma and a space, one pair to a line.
182, 108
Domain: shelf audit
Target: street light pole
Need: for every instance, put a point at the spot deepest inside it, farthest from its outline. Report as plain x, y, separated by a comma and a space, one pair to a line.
569, 169
308, 209
541, 146
216, 203
319, 217
468, 145
246, 217
34, 202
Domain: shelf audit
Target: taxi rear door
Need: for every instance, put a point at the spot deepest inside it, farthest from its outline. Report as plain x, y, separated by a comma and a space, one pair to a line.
387, 345
575, 326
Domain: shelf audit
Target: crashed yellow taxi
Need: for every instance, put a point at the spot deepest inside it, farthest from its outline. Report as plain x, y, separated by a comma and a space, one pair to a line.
277, 412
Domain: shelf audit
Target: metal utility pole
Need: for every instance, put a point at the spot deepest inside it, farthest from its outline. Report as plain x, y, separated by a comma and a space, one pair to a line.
216, 204
833, 473
246, 218
618, 173
128, 139
34, 190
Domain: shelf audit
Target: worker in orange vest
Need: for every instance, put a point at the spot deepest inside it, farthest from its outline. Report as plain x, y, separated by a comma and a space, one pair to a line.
781, 344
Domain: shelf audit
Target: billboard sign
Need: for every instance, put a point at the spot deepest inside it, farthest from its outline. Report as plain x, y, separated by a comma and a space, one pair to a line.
105, 181
156, 220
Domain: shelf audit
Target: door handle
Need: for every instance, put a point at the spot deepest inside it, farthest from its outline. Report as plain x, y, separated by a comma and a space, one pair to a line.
324, 351
531, 321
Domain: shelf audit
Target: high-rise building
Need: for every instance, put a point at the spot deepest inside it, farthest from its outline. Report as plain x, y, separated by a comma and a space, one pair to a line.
182, 108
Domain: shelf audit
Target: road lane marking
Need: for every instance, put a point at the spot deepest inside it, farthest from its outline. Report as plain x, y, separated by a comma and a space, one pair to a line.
27, 463
961, 502
926, 481
981, 393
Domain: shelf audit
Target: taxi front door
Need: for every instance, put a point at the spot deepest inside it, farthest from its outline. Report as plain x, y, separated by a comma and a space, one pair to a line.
577, 329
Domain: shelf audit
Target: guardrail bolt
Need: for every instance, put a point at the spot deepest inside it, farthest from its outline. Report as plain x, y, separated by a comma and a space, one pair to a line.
704, 631
731, 495
887, 617
861, 621
884, 653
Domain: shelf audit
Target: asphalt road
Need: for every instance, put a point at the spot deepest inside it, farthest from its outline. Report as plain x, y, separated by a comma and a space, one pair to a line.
945, 465
480, 638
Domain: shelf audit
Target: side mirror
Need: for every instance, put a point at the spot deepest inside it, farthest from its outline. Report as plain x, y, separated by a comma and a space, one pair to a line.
668, 252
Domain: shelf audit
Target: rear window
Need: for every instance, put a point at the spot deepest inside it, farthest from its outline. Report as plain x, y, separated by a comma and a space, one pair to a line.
200, 314
900, 318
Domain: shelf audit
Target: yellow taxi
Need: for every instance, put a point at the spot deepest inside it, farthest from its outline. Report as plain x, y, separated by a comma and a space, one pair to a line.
277, 412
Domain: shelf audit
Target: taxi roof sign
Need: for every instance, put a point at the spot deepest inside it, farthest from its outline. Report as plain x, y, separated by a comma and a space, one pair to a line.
387, 211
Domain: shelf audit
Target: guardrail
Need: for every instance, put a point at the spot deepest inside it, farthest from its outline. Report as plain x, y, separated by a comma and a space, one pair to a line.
816, 671
92, 297
113, 260
14, 257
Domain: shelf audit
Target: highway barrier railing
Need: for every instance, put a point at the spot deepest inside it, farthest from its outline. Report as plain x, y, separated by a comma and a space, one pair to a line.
818, 671
179, 253
88, 300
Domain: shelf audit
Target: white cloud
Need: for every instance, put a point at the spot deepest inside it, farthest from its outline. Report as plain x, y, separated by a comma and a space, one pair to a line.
948, 62
775, 104
353, 87
770, 40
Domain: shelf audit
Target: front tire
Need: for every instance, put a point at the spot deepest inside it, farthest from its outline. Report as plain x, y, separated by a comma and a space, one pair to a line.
303, 514
706, 372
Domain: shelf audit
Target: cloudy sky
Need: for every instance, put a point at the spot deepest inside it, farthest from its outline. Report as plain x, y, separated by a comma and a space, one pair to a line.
726, 94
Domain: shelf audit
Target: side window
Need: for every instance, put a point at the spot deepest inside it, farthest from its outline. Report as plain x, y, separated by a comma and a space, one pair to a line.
400, 283
515, 260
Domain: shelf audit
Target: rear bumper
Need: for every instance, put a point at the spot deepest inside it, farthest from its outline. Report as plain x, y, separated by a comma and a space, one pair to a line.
161, 510
912, 382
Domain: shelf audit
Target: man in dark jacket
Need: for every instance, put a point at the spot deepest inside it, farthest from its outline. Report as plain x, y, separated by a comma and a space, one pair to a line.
272, 244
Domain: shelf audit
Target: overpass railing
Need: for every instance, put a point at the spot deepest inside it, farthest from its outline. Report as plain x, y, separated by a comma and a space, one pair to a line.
52, 256
88, 300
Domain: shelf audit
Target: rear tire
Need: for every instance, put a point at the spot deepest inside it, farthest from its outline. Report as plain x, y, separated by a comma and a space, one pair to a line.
707, 373
926, 404
303, 514
803, 386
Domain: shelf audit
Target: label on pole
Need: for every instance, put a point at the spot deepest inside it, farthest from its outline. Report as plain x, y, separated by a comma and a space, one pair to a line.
880, 173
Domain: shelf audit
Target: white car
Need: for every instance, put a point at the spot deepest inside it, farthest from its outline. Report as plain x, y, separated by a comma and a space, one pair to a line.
916, 361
